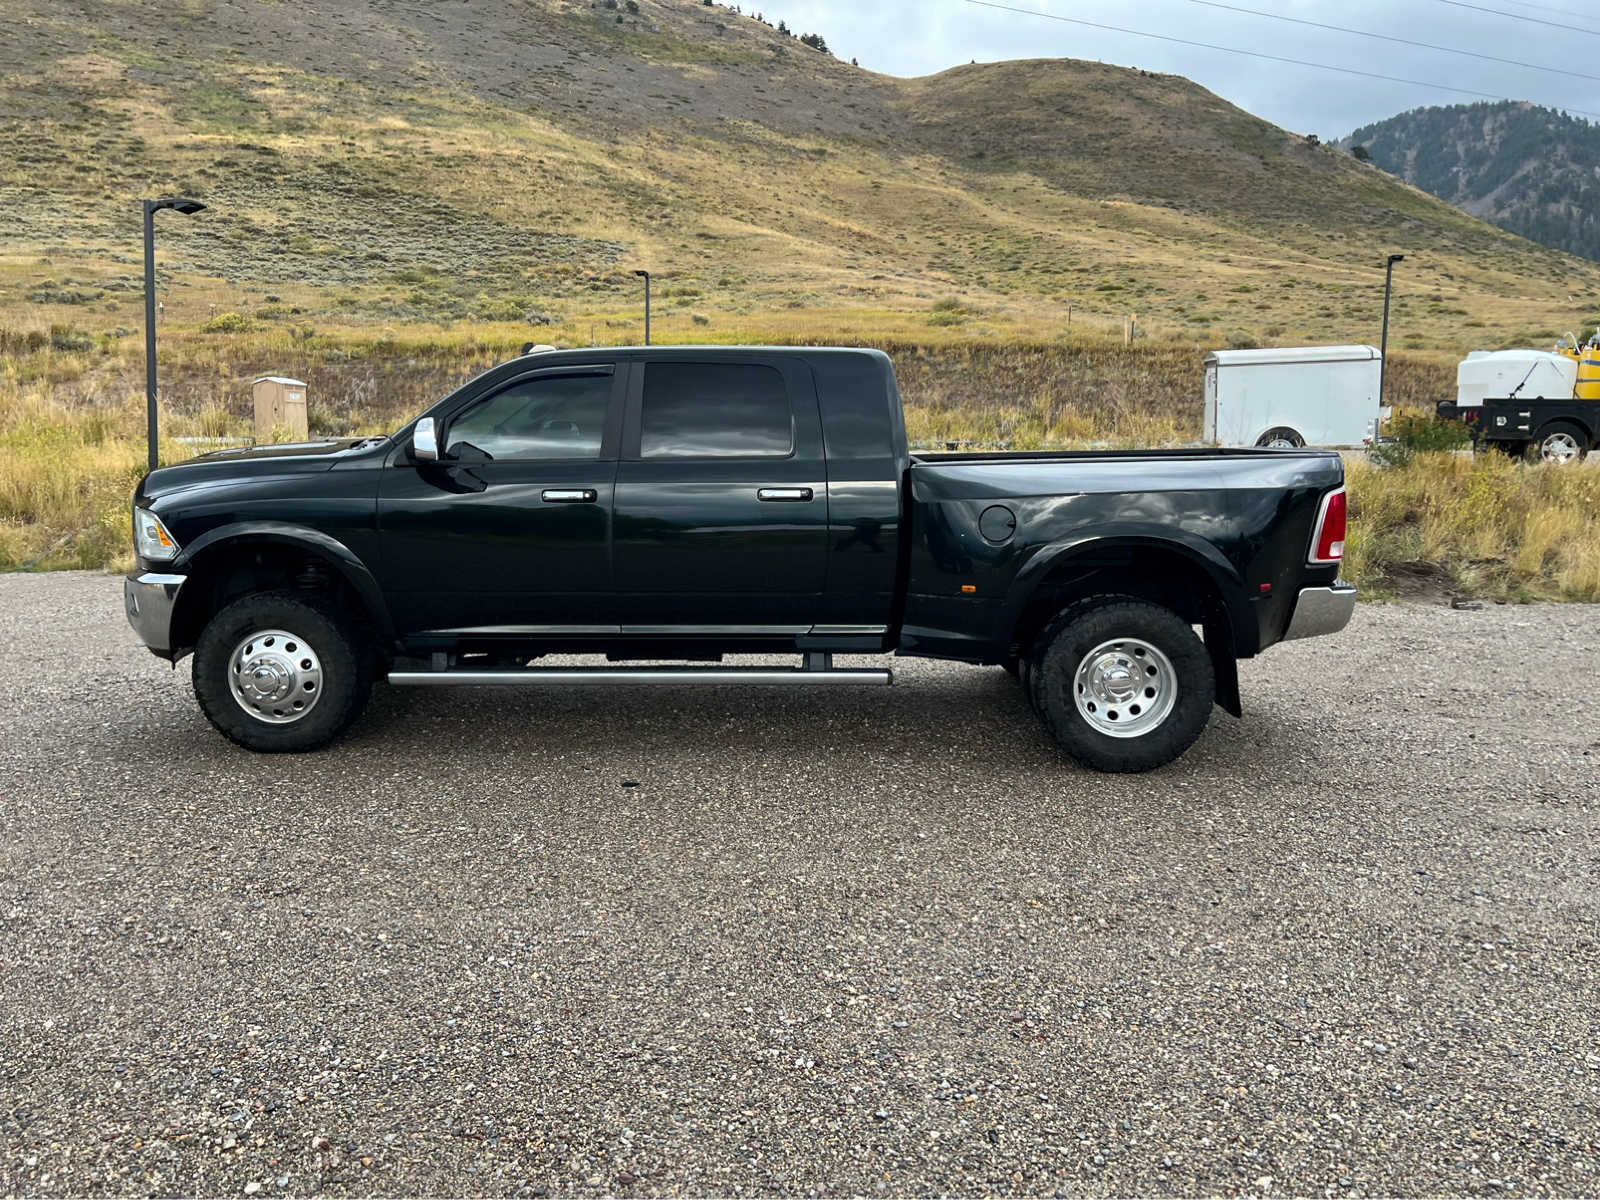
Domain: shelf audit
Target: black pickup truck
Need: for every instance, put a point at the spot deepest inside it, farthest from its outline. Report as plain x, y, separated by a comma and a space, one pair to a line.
675, 506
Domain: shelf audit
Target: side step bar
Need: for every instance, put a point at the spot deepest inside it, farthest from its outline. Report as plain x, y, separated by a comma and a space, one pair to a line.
628, 676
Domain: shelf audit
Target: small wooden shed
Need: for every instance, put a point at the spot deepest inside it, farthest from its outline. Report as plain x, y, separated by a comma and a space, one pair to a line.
280, 408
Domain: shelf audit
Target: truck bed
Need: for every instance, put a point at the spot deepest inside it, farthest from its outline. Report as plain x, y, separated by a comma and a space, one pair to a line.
1178, 452
1242, 517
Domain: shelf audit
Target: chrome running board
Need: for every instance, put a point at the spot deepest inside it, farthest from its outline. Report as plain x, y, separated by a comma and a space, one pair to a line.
658, 676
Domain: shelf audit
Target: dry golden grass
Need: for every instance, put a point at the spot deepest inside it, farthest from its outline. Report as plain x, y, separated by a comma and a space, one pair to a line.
1484, 526
72, 429
66, 479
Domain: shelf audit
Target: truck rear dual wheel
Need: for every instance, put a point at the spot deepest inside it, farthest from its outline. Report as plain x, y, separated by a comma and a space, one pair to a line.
1124, 685
281, 672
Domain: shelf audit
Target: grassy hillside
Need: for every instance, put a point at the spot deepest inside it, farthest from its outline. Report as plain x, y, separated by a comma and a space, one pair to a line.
1527, 169
373, 164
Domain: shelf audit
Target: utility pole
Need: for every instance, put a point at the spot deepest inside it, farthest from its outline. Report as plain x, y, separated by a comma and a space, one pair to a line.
646, 275
1383, 365
151, 207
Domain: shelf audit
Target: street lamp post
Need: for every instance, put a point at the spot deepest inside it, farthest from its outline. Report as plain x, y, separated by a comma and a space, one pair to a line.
151, 207
1383, 365
646, 276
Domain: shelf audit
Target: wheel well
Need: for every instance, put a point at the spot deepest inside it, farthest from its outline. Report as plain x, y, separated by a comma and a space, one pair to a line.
222, 574
1568, 422
1160, 576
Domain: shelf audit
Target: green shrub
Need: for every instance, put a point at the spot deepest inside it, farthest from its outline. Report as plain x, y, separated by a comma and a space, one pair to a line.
1410, 434
228, 322
18, 343
65, 337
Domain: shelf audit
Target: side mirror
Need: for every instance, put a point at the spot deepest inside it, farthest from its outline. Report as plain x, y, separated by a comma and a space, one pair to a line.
425, 441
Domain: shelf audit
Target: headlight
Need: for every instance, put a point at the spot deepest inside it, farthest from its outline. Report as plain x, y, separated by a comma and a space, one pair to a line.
150, 537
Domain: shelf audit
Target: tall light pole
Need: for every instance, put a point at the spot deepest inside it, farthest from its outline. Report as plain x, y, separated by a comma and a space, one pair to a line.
151, 207
646, 275
1383, 365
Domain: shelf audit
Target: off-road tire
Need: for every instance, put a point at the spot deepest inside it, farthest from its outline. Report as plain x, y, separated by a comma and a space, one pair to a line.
346, 661
1081, 629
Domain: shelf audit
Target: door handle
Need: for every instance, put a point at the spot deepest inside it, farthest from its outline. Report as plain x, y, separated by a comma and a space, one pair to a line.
568, 495
781, 495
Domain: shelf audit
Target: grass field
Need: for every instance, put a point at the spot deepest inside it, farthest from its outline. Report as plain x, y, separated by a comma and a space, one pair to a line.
72, 437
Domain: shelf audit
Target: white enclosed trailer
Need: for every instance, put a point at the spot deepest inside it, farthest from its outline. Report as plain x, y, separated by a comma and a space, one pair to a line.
1295, 396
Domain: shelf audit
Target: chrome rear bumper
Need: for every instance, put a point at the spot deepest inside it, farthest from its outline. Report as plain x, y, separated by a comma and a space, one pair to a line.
149, 599
1321, 610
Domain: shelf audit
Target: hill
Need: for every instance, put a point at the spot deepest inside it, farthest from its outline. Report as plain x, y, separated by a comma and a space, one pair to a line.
373, 164
1531, 170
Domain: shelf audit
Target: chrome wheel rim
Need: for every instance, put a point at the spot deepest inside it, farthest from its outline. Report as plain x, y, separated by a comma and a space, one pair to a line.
1125, 688
1560, 448
275, 676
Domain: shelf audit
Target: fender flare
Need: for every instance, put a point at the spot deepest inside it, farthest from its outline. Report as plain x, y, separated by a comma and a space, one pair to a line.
321, 545
1210, 560
1589, 427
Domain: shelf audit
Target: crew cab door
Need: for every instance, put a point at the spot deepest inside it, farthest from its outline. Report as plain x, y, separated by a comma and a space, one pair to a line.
722, 505
510, 532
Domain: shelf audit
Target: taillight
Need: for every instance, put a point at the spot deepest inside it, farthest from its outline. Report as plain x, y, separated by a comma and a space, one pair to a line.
1327, 542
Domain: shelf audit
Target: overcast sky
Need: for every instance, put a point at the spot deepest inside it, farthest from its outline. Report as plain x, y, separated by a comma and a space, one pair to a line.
919, 37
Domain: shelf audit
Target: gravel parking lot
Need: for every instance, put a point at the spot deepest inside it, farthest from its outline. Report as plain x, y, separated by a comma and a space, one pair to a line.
746, 941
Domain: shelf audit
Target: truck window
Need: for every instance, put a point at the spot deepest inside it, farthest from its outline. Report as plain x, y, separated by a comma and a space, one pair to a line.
552, 416
715, 410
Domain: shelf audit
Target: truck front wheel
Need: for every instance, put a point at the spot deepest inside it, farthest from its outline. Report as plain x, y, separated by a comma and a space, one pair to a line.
1125, 685
281, 672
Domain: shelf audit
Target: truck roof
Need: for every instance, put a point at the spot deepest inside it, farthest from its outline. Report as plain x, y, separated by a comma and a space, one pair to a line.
1292, 354
698, 351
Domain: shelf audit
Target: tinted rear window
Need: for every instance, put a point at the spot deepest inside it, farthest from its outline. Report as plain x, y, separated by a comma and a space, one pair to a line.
715, 410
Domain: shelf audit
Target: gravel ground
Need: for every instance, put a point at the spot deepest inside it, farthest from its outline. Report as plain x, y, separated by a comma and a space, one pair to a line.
739, 941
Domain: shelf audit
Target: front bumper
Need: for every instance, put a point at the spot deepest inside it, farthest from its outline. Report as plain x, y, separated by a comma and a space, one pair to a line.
1321, 610
149, 599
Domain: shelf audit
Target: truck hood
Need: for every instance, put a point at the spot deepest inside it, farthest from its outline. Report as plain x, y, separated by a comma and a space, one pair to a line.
251, 462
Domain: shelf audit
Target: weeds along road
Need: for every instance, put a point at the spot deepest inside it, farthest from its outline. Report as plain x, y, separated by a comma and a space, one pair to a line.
742, 941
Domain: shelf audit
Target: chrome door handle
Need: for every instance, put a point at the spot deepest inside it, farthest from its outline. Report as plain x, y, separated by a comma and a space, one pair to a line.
568, 495
792, 495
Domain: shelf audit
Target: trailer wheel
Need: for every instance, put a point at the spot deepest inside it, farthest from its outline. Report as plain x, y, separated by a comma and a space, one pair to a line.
1125, 685
1559, 442
1281, 438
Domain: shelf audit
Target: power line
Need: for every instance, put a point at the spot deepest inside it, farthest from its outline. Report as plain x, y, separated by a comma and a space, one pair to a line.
1384, 37
1566, 12
1500, 12
1294, 62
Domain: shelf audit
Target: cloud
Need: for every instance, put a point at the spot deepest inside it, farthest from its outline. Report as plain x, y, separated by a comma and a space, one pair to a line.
901, 38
